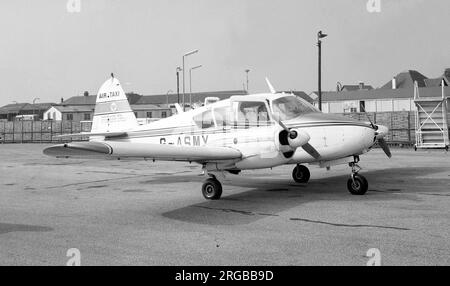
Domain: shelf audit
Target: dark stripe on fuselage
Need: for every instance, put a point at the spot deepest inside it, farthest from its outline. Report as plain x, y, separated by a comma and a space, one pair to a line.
194, 130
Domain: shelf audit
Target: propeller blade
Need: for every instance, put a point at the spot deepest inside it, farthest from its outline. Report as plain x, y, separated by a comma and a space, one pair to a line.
370, 120
278, 120
385, 147
311, 150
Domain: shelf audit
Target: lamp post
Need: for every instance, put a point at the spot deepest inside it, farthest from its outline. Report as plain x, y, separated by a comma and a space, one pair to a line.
190, 84
178, 84
167, 96
320, 36
184, 91
247, 71
34, 100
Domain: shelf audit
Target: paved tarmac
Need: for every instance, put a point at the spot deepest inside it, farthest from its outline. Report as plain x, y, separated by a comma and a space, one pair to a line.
145, 213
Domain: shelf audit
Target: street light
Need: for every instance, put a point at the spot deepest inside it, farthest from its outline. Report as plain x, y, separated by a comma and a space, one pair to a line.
320, 35
190, 84
167, 95
185, 55
178, 84
34, 100
247, 71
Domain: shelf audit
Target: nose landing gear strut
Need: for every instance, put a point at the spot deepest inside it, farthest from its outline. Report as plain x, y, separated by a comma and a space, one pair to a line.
357, 184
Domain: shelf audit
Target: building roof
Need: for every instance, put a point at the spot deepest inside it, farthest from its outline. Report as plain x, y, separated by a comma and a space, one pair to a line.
196, 97
438, 81
383, 94
355, 87
80, 100
74, 109
20, 107
430, 82
136, 99
137, 107
406, 79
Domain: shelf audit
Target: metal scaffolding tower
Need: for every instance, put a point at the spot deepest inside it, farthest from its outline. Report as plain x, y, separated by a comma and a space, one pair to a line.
431, 120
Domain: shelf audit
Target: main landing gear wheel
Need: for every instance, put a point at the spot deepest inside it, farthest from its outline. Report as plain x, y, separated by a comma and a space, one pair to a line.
357, 185
301, 174
212, 189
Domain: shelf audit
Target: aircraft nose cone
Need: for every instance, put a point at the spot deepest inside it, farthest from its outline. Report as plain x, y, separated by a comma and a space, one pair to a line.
382, 131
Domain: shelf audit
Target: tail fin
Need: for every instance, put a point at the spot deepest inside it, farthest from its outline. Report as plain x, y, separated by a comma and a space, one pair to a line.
112, 109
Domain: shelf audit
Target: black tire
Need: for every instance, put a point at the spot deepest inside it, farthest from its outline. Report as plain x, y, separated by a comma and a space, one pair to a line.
301, 174
212, 189
359, 187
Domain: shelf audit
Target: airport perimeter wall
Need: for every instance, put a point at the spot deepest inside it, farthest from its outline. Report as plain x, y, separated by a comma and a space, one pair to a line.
401, 128
40, 131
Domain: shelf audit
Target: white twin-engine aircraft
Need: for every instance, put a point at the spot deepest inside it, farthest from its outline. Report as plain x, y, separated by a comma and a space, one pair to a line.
240, 133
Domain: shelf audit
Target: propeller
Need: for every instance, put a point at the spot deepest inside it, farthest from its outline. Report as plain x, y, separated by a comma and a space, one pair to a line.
380, 132
293, 135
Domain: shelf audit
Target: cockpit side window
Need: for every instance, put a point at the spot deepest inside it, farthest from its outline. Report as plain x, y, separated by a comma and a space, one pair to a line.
204, 120
290, 107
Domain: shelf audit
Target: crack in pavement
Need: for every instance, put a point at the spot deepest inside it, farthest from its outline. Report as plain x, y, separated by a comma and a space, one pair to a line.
227, 210
348, 225
97, 181
249, 213
440, 195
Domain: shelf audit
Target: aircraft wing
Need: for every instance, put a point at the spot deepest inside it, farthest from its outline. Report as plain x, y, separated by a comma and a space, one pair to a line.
127, 150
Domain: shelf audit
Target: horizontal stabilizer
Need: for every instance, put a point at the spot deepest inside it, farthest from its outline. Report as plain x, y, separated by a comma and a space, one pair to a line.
104, 134
78, 150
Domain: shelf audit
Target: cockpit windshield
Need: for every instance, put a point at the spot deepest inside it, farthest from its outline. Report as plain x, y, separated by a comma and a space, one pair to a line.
290, 107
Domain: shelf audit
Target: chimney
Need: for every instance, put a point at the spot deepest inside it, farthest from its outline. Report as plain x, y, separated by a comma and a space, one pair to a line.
62, 100
394, 83
361, 85
338, 86
86, 93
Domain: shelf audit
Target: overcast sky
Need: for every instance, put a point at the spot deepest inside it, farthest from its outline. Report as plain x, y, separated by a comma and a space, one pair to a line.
49, 53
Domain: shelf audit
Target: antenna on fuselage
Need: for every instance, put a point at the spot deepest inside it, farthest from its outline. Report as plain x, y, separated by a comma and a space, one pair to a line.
272, 90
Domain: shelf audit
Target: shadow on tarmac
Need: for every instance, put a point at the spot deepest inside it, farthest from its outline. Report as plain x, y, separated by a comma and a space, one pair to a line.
269, 197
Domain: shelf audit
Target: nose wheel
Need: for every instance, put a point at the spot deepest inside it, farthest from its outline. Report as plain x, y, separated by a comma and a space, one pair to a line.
212, 189
357, 184
301, 174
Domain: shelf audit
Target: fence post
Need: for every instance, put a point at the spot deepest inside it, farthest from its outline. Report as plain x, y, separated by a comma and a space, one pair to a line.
409, 127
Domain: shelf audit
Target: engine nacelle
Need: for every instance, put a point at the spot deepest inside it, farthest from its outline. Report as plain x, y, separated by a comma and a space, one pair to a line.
287, 142
298, 138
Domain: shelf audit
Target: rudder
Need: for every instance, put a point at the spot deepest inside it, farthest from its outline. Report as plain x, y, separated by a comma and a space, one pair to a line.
112, 109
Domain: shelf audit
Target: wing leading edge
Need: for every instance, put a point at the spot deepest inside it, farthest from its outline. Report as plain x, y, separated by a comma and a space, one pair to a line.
129, 150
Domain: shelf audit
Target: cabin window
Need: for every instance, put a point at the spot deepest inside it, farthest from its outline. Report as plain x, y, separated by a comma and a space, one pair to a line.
251, 113
204, 120
69, 116
87, 116
222, 116
164, 114
149, 114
